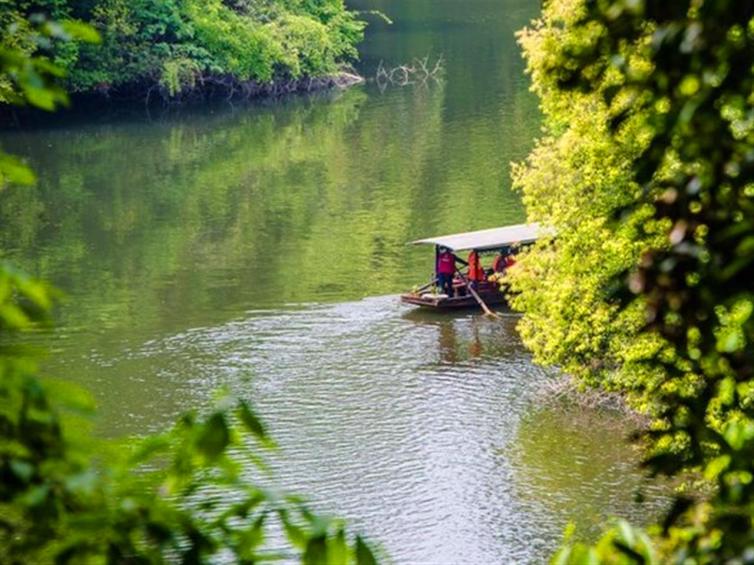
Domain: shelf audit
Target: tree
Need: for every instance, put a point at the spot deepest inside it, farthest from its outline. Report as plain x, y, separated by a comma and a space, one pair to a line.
28, 76
176, 47
669, 89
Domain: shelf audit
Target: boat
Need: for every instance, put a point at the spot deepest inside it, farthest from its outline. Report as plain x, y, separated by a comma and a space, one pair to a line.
506, 239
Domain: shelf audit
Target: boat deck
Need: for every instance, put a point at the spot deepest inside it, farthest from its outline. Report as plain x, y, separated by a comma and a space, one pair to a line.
490, 293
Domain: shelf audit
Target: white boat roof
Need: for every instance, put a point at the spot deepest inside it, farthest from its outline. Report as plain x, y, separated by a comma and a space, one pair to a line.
494, 238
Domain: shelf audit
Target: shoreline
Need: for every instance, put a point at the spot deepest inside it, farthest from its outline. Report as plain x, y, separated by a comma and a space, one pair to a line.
211, 90
230, 88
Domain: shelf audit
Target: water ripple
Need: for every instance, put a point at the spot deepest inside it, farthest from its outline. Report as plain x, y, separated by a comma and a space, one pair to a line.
422, 430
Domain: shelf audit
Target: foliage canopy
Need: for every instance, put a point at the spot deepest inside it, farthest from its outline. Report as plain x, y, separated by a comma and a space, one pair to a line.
647, 171
176, 46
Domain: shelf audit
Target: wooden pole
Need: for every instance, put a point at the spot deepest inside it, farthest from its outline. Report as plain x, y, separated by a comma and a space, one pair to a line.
476, 296
426, 286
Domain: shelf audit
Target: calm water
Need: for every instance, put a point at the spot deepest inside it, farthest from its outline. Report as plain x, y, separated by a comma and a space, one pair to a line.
261, 248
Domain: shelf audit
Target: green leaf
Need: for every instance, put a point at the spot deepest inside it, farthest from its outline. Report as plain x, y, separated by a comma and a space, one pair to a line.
13, 317
148, 448
81, 31
337, 549
35, 496
295, 534
716, 466
214, 436
364, 555
253, 537
83, 483
562, 556
43, 96
738, 433
626, 532
13, 170
629, 552
316, 551
22, 469
253, 423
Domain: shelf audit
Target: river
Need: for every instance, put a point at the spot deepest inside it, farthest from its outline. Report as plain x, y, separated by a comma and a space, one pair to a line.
261, 247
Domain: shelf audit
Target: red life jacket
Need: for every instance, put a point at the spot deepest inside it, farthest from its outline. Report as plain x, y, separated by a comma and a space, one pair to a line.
476, 272
499, 265
446, 263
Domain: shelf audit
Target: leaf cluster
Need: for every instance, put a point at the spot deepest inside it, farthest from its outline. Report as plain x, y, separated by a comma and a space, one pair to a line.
28, 76
178, 46
677, 78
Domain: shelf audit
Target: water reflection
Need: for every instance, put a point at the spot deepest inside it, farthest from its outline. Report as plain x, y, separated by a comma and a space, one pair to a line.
417, 428
577, 465
466, 335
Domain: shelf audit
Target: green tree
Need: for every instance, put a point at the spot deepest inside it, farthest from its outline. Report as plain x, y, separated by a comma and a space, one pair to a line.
663, 180
181, 46
28, 76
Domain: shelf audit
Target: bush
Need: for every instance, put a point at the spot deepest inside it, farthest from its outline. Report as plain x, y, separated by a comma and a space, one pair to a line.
177, 46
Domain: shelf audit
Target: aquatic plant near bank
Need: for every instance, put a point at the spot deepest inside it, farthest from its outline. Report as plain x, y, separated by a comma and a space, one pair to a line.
646, 172
418, 72
173, 49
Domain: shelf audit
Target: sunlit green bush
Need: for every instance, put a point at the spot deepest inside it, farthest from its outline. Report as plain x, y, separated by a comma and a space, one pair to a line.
646, 171
179, 46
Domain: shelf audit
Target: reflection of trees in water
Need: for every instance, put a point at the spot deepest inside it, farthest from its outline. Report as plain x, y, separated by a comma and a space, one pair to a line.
278, 203
448, 343
475, 345
567, 457
195, 216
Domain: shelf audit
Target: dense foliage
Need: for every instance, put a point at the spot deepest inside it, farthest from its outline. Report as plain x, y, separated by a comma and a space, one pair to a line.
647, 172
176, 46
29, 78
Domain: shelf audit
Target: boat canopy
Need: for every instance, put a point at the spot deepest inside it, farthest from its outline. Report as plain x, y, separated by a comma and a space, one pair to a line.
486, 240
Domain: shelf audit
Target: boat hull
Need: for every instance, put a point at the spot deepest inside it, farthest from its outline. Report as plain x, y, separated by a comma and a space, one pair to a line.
490, 296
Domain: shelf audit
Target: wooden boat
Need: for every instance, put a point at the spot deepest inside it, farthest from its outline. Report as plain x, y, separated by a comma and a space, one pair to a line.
490, 293
504, 239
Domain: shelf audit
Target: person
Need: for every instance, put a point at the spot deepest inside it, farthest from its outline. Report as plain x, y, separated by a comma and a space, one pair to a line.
510, 258
498, 265
504, 261
446, 268
476, 272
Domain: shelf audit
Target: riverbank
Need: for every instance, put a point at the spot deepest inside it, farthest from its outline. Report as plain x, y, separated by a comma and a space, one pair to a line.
135, 105
175, 50
231, 88
565, 391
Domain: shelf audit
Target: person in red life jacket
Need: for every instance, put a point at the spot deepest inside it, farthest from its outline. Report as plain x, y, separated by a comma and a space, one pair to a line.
504, 261
510, 259
498, 265
476, 272
446, 268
